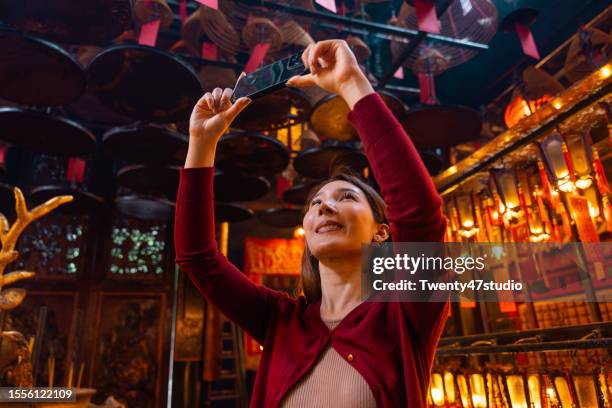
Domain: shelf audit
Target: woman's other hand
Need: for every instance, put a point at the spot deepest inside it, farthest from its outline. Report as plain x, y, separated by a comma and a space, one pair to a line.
210, 119
333, 67
214, 113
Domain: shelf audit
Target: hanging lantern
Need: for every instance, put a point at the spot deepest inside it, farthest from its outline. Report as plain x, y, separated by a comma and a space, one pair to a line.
537, 216
564, 390
579, 148
517, 390
587, 389
450, 389
467, 220
478, 390
436, 390
537, 89
506, 187
464, 390
558, 162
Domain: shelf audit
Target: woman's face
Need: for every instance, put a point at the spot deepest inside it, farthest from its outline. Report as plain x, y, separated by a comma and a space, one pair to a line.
339, 219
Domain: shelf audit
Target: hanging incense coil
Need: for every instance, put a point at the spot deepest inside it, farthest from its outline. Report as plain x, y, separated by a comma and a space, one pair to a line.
184, 47
219, 30
587, 51
146, 11
293, 33
192, 31
360, 48
430, 61
262, 30
212, 76
539, 83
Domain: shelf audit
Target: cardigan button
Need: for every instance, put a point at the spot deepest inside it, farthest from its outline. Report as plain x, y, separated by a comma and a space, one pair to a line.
350, 357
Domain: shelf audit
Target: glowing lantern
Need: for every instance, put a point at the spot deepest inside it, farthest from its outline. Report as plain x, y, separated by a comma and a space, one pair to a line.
436, 390
467, 220
558, 162
478, 390
506, 186
519, 108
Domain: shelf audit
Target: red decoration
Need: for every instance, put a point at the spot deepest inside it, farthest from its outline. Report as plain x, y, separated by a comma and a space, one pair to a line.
148, 33
427, 20
76, 170
527, 42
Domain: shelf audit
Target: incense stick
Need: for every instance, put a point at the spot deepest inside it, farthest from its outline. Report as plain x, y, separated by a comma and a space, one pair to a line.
81, 369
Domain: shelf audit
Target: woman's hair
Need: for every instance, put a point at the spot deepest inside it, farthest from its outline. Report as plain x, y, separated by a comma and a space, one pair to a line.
310, 282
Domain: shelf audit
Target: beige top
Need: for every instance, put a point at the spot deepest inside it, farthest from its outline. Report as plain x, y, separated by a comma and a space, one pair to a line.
332, 382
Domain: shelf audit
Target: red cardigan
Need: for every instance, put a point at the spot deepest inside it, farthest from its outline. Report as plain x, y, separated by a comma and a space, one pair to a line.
392, 345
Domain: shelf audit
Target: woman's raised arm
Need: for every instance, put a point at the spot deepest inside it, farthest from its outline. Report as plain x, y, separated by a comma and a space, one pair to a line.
251, 306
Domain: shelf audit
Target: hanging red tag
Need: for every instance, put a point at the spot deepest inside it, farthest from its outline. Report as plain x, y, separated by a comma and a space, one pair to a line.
328, 4
568, 162
257, 57
399, 74
183, 11
341, 9
544, 180
209, 51
527, 42
2, 154
607, 211
76, 170
427, 20
427, 88
600, 174
213, 4
466, 304
148, 33
282, 185
507, 307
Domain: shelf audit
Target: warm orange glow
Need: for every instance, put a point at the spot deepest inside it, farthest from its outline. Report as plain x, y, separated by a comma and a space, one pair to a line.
298, 232
519, 108
605, 71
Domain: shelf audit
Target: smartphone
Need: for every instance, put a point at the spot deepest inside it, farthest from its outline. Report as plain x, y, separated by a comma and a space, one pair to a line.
269, 78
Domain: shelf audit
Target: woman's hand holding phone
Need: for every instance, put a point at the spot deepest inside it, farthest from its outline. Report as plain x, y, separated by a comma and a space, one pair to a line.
210, 118
334, 68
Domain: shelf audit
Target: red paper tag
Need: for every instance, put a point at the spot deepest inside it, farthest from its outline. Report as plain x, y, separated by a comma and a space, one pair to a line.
582, 216
257, 57
527, 42
2, 154
427, 88
148, 33
507, 307
328, 4
209, 51
183, 11
427, 20
399, 74
213, 4
76, 170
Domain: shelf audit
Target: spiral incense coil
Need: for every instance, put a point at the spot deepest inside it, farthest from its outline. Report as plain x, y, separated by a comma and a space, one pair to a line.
212, 76
219, 30
430, 61
146, 11
578, 64
539, 83
360, 48
192, 31
261, 30
185, 48
293, 33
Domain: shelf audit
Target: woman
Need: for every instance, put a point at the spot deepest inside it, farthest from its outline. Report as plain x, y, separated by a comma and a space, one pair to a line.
329, 348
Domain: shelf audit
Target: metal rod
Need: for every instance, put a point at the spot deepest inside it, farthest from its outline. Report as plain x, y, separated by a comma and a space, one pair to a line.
371, 26
410, 47
512, 336
400, 89
513, 348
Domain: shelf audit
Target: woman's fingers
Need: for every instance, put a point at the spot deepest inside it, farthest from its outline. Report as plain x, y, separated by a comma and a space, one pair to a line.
226, 98
209, 101
216, 93
301, 81
305, 56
